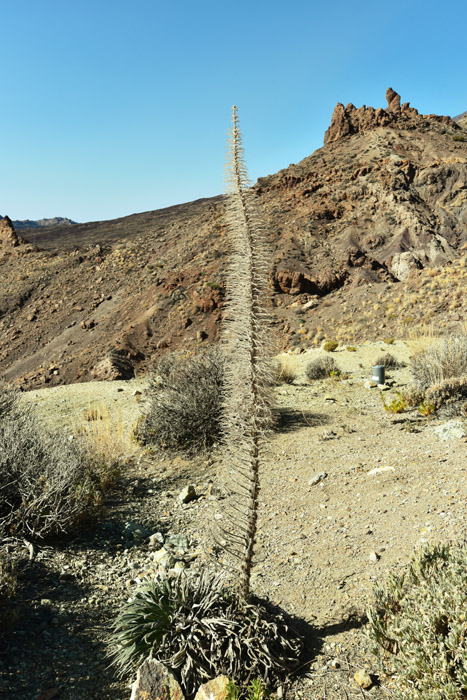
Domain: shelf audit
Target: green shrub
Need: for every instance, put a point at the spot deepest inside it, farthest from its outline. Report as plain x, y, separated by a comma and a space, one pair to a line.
459, 137
397, 405
330, 345
444, 359
255, 690
321, 368
200, 630
184, 406
44, 484
418, 626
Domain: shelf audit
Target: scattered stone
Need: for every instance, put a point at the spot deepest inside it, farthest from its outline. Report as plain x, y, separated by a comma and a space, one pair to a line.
136, 531
363, 678
177, 542
379, 470
368, 384
187, 494
156, 540
213, 690
452, 430
374, 557
163, 558
155, 682
317, 478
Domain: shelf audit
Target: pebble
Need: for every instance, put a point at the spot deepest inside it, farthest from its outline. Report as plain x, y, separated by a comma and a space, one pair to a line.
317, 478
363, 679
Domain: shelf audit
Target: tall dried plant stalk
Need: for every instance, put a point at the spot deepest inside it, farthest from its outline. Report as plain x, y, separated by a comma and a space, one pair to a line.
248, 382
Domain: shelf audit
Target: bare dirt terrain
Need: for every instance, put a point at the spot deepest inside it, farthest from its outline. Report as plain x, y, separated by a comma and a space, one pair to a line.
383, 485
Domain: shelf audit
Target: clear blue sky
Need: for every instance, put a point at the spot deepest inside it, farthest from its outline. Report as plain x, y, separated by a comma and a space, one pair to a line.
111, 107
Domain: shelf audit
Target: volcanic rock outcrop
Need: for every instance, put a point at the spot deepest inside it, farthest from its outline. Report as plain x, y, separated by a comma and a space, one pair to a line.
358, 229
350, 120
10, 241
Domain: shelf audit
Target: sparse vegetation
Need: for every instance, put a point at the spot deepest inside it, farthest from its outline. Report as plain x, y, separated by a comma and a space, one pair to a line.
106, 444
440, 371
199, 630
442, 360
286, 370
451, 394
397, 405
255, 690
388, 361
321, 368
183, 410
418, 626
45, 487
330, 345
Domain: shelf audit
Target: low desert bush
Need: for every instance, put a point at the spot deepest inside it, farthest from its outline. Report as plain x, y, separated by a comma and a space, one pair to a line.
388, 361
451, 395
418, 626
184, 405
45, 488
105, 440
442, 360
286, 370
200, 629
397, 405
330, 345
321, 368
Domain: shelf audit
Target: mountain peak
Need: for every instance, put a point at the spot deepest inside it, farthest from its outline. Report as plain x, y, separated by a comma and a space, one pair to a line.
350, 120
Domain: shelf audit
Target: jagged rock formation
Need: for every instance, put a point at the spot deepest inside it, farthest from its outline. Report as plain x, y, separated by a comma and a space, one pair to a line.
10, 242
350, 120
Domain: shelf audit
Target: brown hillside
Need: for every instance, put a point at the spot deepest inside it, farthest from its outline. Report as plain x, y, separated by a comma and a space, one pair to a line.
369, 236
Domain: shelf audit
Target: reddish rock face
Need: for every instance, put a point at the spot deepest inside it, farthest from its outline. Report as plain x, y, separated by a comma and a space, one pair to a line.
350, 120
393, 99
8, 237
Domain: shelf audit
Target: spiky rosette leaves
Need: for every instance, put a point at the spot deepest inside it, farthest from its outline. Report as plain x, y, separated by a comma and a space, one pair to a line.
249, 374
200, 629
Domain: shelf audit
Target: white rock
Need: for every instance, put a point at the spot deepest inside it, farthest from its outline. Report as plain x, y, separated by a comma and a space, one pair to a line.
379, 470
452, 430
317, 478
163, 558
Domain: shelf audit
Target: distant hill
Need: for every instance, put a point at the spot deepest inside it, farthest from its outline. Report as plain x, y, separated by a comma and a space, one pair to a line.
40, 223
460, 117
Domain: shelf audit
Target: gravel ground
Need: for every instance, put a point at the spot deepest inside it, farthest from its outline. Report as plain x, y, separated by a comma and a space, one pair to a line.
384, 484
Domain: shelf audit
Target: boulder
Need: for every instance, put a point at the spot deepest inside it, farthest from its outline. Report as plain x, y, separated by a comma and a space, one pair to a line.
155, 682
213, 690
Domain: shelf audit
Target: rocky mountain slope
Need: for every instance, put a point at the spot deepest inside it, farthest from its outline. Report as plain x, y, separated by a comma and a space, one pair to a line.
369, 240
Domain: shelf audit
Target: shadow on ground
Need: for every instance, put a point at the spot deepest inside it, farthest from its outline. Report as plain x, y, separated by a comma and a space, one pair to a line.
288, 419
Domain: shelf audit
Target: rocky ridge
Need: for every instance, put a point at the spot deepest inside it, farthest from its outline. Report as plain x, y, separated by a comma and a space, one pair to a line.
368, 237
